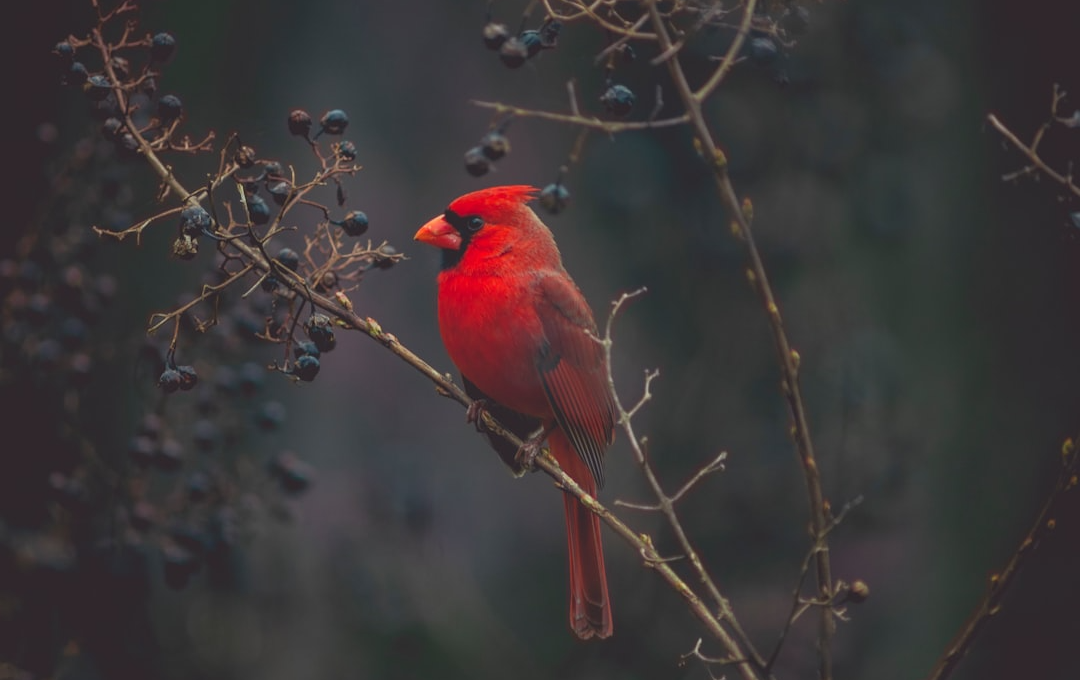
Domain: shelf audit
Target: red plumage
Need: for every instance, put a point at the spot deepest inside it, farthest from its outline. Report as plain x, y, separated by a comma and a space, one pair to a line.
523, 337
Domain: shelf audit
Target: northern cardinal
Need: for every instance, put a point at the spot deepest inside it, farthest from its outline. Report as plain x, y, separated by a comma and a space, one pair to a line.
523, 337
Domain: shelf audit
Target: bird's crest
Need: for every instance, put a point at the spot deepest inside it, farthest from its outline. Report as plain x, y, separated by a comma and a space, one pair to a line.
494, 201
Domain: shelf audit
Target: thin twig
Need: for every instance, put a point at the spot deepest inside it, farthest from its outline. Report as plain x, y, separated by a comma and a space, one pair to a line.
787, 358
743, 649
1032, 155
609, 126
999, 583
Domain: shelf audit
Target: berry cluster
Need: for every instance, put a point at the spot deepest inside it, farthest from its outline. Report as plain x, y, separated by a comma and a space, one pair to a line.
241, 231
493, 146
180, 488
515, 50
187, 495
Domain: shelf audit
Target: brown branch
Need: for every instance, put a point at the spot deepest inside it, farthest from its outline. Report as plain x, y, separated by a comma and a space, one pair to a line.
999, 583
589, 12
751, 662
787, 358
1032, 154
608, 126
798, 603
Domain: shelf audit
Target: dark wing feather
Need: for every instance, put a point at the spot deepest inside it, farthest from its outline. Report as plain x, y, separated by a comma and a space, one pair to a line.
518, 423
573, 372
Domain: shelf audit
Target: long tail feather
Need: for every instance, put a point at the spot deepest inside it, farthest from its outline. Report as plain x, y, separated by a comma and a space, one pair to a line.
590, 607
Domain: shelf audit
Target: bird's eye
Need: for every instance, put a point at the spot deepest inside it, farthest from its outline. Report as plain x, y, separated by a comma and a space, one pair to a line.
474, 223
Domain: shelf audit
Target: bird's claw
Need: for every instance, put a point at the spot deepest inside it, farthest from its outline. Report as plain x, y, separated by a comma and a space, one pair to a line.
475, 413
527, 454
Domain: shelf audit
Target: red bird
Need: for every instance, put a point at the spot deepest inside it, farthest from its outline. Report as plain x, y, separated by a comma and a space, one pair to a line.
523, 337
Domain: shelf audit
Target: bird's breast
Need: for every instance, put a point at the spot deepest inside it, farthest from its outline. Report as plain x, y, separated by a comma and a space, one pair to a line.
491, 330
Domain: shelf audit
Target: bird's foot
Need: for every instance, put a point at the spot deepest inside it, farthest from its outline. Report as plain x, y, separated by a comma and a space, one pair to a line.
526, 455
475, 413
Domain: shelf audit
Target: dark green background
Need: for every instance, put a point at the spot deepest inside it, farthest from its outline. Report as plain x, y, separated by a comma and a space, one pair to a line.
934, 308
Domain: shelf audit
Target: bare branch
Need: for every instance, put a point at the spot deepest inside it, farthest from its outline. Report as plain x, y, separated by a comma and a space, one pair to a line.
999, 584
788, 364
609, 126
1031, 153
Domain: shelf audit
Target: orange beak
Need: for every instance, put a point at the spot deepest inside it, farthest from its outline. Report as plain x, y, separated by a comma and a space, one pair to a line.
438, 232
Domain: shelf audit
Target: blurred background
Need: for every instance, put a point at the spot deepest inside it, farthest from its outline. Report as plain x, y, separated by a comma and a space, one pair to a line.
934, 307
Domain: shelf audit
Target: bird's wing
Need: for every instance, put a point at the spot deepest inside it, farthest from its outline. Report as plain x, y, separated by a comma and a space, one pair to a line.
573, 371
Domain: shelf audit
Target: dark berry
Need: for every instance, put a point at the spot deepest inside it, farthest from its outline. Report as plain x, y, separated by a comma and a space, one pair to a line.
244, 157
387, 256
170, 380
169, 108
554, 198
549, 33
65, 51
763, 51
225, 380
142, 449
189, 378
251, 380
111, 128
128, 143
194, 220
327, 282
205, 434
38, 307
79, 367
151, 426
300, 123
346, 151
495, 34
106, 108
273, 169
513, 53
258, 210
293, 474
270, 416
97, 88
618, 100
533, 43
334, 122
269, 283
355, 223
149, 87
77, 74
279, 191
72, 332
162, 47
1074, 217
306, 366
70, 492
142, 516
627, 54
477, 163
189, 535
288, 259
305, 348
170, 456
495, 145
321, 332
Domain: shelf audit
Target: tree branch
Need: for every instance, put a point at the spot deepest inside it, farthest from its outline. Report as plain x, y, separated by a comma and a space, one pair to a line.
999, 583
787, 357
